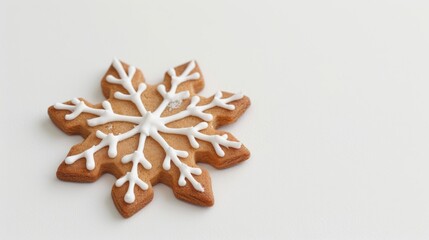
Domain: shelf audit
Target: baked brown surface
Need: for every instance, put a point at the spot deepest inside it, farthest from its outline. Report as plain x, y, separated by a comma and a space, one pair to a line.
78, 172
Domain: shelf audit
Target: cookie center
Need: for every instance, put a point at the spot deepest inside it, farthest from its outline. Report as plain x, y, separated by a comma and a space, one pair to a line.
149, 122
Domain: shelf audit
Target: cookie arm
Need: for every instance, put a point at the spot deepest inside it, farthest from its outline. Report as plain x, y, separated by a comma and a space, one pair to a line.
222, 116
78, 171
232, 156
187, 192
142, 198
125, 79
193, 82
76, 126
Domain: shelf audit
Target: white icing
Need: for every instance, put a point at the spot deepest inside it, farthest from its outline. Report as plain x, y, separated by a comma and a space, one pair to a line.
150, 125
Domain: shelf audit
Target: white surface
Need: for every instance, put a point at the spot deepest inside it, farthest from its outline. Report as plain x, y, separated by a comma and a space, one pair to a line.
338, 129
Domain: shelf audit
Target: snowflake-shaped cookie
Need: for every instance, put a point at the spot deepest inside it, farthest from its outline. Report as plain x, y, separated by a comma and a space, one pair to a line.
145, 135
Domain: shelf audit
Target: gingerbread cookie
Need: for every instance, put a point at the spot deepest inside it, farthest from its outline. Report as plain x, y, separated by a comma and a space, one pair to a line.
144, 135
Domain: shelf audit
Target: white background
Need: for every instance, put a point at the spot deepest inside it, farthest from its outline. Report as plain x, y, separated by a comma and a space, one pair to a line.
338, 127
